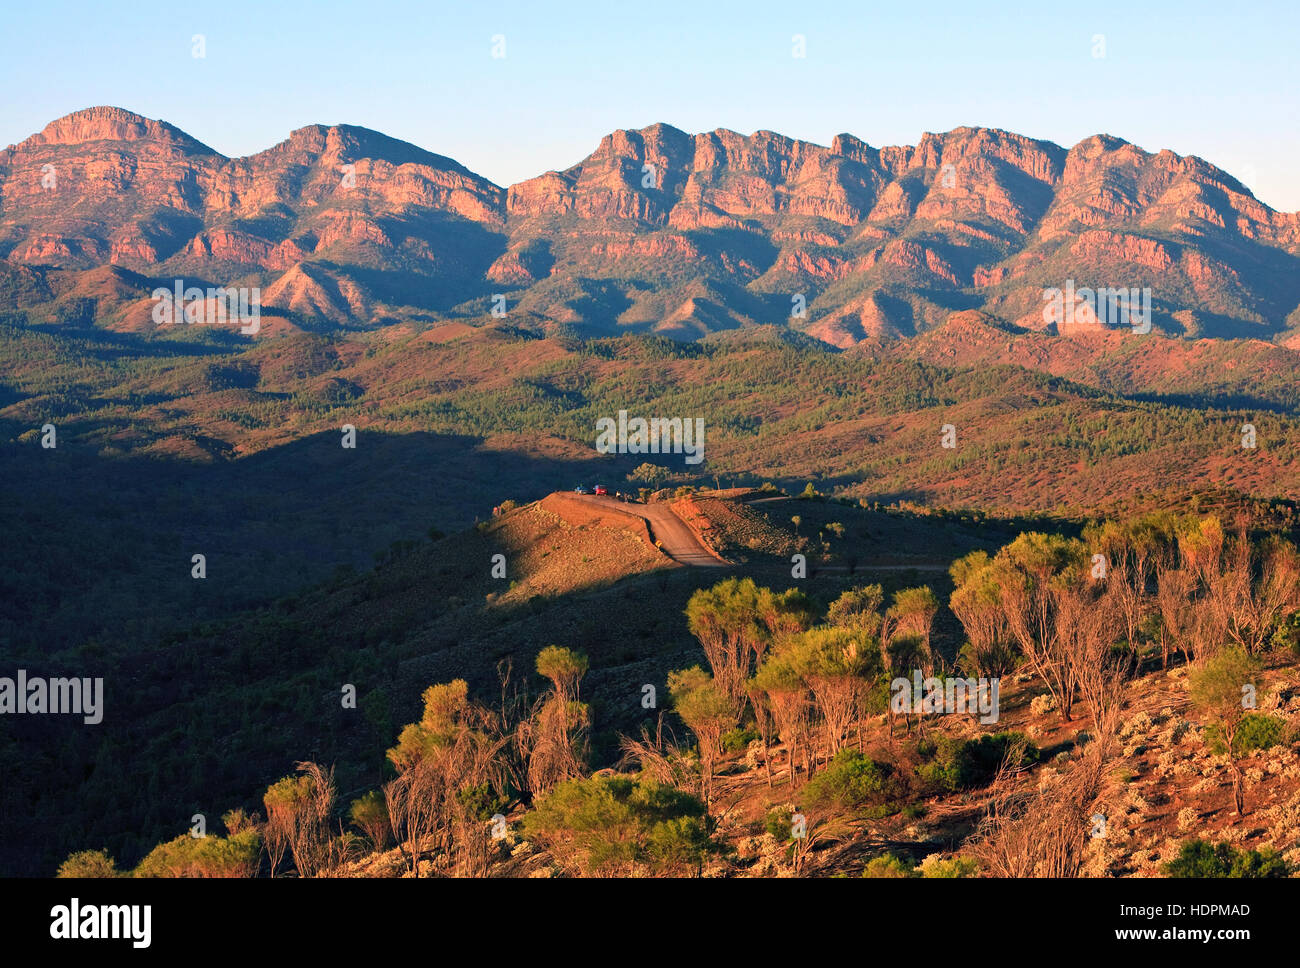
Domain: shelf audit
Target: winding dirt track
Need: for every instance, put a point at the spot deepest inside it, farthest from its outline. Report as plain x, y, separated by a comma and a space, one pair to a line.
675, 539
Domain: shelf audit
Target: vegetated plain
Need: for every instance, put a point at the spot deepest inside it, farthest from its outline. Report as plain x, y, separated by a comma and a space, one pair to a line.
330, 566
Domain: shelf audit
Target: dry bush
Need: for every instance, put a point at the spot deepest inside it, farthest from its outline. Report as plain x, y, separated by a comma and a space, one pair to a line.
660, 757
452, 771
1044, 832
298, 811
553, 743
433, 805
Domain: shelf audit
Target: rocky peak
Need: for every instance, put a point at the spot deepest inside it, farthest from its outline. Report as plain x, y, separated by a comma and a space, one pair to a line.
854, 149
349, 142
107, 123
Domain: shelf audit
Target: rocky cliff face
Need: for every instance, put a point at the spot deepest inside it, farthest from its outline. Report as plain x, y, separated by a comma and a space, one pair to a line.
657, 228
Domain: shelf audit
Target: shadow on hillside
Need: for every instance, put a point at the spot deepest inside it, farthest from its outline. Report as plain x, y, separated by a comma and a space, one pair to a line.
92, 539
214, 686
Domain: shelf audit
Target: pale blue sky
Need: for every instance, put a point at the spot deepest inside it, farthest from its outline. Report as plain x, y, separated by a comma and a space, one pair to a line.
1216, 80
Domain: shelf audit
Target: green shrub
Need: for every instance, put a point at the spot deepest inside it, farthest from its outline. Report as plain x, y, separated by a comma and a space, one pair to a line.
935, 866
651, 474
678, 844
737, 740
891, 865
963, 764
887, 865
211, 856
996, 660
1200, 858
1287, 635
89, 863
370, 813
780, 823
481, 801
1256, 732
621, 825
855, 782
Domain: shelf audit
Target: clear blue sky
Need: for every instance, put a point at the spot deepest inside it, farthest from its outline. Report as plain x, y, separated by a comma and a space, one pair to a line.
1217, 80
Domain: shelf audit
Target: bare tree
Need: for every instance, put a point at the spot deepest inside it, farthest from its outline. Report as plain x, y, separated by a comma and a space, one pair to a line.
411, 812
1041, 612
553, 739
781, 681
705, 709
1129, 572
911, 617
1256, 589
1174, 599
835, 665
1088, 624
764, 721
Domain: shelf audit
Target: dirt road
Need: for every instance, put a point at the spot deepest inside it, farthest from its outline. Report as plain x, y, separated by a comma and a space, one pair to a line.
674, 537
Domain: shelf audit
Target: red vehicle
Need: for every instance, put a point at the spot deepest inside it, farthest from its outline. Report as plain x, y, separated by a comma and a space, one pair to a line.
602, 489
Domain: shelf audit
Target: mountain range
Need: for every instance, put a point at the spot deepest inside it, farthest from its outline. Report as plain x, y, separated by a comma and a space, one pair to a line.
656, 231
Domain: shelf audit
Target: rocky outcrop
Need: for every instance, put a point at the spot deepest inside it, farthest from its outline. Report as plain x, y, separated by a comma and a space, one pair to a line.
313, 292
868, 318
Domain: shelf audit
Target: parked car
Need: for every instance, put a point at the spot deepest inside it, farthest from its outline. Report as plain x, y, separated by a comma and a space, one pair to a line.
582, 489
602, 489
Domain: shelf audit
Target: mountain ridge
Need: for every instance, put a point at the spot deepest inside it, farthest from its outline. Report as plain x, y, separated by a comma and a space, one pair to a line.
844, 144
848, 242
